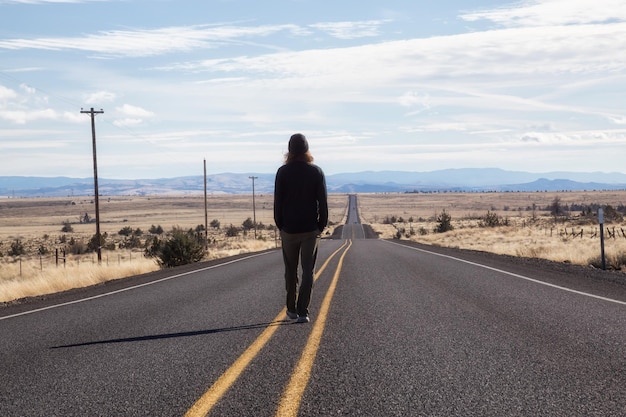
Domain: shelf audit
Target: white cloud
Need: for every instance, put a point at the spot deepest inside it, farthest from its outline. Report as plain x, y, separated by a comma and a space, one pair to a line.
149, 42
131, 115
100, 97
130, 110
22, 116
553, 12
351, 30
6, 94
28, 89
46, 1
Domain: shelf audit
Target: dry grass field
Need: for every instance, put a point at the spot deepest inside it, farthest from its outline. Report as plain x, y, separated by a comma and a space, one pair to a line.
531, 230
37, 224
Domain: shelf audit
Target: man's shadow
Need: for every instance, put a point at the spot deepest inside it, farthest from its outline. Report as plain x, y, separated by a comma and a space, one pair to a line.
177, 335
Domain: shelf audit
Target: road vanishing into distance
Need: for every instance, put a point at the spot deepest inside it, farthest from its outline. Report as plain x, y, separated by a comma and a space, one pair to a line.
398, 329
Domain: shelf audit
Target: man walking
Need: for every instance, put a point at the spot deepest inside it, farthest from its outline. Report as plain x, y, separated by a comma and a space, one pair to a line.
301, 214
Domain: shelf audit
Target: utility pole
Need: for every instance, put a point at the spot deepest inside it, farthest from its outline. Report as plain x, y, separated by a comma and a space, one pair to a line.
93, 113
206, 214
253, 205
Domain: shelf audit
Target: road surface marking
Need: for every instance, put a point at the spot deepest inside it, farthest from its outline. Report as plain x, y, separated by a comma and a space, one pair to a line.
82, 300
514, 275
292, 396
205, 404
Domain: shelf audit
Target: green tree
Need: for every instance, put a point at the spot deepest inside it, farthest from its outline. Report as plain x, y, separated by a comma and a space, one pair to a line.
180, 249
556, 208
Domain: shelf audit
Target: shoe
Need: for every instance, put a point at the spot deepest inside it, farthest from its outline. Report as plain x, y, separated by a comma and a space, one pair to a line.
292, 315
303, 319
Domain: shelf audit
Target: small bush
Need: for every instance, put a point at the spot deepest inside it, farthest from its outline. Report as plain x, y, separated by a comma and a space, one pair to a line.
17, 248
232, 231
153, 247
156, 230
491, 219
181, 248
67, 227
131, 242
77, 247
248, 224
444, 223
95, 243
613, 262
125, 231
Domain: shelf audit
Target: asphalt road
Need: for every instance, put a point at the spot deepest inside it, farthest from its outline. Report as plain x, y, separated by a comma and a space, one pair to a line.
397, 330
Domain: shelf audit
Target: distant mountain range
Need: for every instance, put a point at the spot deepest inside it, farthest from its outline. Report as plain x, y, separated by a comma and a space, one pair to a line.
448, 180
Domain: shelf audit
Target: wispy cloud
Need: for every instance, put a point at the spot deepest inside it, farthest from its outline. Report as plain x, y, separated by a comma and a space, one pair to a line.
129, 115
553, 12
351, 30
47, 1
100, 97
150, 42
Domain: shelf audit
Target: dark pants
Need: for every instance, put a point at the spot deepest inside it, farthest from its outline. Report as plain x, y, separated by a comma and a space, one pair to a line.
300, 247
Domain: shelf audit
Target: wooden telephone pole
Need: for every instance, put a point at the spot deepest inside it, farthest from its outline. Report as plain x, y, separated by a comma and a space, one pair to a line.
93, 113
253, 204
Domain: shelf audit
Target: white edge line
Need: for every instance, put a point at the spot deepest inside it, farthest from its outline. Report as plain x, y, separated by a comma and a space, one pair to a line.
512, 274
133, 287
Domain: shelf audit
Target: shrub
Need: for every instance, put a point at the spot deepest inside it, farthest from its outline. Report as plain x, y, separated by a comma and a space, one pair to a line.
180, 249
444, 223
232, 231
613, 262
76, 247
67, 227
153, 247
125, 231
95, 243
248, 224
491, 219
17, 248
131, 242
156, 230
390, 220
612, 216
215, 224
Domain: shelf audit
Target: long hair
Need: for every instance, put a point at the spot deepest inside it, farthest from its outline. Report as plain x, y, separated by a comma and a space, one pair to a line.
302, 157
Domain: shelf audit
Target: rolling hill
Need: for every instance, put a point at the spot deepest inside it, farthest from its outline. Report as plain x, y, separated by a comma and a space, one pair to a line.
450, 180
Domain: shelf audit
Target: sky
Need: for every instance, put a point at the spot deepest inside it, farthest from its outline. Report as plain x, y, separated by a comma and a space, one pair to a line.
410, 85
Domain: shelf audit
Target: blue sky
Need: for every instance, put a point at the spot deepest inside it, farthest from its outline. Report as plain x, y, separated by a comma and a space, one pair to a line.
413, 85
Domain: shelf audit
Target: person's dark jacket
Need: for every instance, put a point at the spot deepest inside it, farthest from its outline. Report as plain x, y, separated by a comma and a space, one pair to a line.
300, 198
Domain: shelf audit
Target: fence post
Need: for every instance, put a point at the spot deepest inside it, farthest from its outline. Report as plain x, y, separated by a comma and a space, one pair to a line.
601, 221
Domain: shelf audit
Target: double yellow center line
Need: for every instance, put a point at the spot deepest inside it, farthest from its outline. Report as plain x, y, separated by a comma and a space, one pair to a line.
292, 396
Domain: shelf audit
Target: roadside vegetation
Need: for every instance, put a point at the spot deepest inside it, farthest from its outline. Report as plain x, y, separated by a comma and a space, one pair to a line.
557, 231
48, 246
